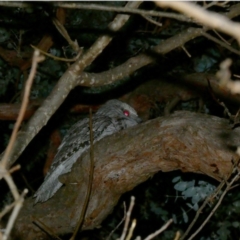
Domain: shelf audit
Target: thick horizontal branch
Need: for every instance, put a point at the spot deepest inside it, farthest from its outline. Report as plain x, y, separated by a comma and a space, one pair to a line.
186, 141
10, 111
162, 90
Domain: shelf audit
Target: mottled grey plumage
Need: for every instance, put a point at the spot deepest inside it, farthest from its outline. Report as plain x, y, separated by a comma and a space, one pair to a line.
112, 117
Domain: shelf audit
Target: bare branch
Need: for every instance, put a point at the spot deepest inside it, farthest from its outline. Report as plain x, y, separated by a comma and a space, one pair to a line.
207, 18
182, 141
130, 232
152, 21
122, 10
128, 216
58, 58
5, 161
60, 27
18, 205
225, 45
7, 155
119, 224
163, 228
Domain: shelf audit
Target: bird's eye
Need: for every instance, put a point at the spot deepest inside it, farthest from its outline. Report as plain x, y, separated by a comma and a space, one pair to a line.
126, 113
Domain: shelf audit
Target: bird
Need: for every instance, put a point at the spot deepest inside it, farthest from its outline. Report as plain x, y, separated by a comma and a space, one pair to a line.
110, 118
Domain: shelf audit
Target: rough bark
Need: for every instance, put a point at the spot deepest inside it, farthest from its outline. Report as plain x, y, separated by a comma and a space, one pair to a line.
190, 142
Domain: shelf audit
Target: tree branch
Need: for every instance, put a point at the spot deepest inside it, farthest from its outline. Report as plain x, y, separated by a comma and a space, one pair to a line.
205, 17
186, 141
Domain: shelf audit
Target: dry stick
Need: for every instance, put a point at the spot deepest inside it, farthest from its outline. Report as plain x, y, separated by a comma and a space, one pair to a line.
216, 4
16, 4
99, 7
177, 235
152, 21
163, 228
65, 34
205, 17
128, 215
217, 205
11, 220
18, 199
90, 180
36, 59
45, 229
225, 45
14, 168
124, 217
130, 232
186, 51
222, 38
58, 58
7, 209
111, 76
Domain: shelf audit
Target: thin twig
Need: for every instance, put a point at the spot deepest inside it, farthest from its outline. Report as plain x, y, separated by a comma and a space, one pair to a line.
36, 59
130, 232
210, 37
14, 215
14, 169
186, 51
45, 229
213, 3
163, 228
122, 10
90, 180
128, 215
119, 224
64, 33
3, 165
7, 209
222, 38
177, 235
205, 17
58, 58
16, 4
152, 21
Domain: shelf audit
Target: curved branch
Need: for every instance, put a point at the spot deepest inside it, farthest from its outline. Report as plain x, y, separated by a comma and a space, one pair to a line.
184, 141
100, 7
207, 18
